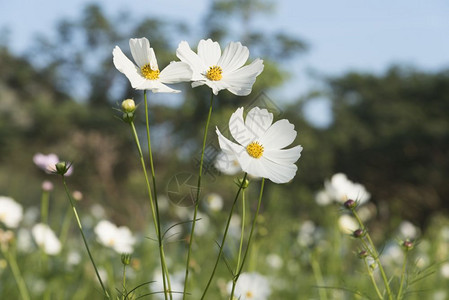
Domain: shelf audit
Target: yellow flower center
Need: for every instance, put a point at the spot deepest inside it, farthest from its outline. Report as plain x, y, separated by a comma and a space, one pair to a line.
249, 294
255, 149
148, 73
111, 242
214, 73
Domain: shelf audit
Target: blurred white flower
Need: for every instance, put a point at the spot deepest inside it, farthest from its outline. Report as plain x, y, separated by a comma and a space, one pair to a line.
322, 198
73, 258
202, 225
176, 282
306, 235
392, 255
163, 203
24, 241
48, 163
46, 239
146, 75
408, 231
98, 211
340, 188
214, 202
274, 261
221, 71
367, 211
11, 212
260, 145
440, 295
118, 238
235, 224
444, 270
251, 286
347, 224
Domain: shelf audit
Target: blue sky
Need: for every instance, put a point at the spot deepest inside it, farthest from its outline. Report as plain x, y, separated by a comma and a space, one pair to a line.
343, 35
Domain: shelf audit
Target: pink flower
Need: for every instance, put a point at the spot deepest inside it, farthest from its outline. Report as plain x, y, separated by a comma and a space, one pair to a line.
48, 163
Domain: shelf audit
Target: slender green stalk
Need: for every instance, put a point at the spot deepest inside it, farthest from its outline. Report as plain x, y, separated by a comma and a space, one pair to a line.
370, 273
153, 211
197, 199
404, 264
11, 258
82, 234
44, 206
124, 283
44, 219
224, 236
253, 226
375, 254
318, 277
153, 175
242, 232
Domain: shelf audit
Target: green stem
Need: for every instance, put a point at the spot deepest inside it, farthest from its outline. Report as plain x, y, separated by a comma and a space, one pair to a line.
124, 282
11, 258
150, 195
370, 273
224, 236
192, 232
373, 250
404, 264
253, 226
318, 277
153, 175
44, 219
84, 238
242, 232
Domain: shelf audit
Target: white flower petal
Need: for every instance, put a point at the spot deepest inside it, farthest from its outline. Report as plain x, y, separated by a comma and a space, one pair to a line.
185, 54
198, 83
258, 121
279, 135
238, 129
216, 86
153, 60
283, 156
227, 146
234, 56
241, 81
209, 52
176, 72
227, 163
156, 87
141, 51
125, 66
278, 173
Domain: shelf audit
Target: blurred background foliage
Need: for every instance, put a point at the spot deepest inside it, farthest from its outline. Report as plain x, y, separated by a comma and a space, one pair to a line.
389, 132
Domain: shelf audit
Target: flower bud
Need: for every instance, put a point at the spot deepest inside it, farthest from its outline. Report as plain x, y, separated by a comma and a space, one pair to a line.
363, 254
350, 204
62, 167
126, 259
47, 186
244, 184
359, 233
128, 105
408, 245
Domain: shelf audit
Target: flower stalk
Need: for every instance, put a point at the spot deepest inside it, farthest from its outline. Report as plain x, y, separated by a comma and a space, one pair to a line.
195, 212
80, 227
369, 245
12, 261
220, 252
253, 226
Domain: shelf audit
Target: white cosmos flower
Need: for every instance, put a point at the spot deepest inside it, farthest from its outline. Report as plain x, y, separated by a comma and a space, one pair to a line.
176, 283
221, 70
251, 286
11, 212
227, 164
118, 238
341, 189
146, 75
347, 224
259, 148
46, 239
